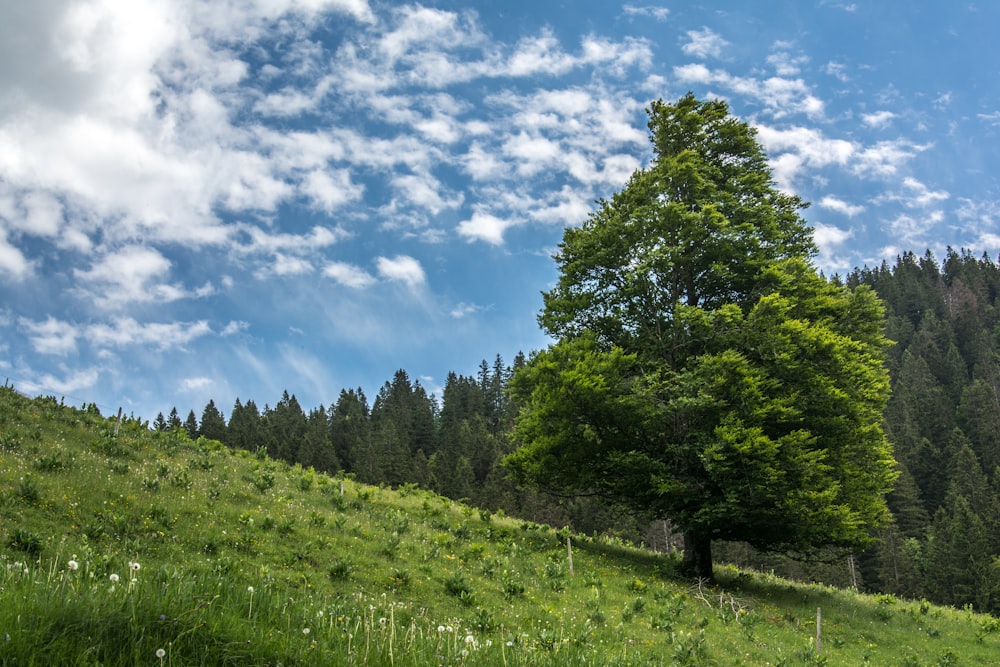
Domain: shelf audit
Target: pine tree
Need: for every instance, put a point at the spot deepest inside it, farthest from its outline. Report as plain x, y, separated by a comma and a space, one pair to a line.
191, 425
213, 423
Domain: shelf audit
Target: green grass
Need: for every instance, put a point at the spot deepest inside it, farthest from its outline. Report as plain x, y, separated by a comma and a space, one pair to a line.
115, 548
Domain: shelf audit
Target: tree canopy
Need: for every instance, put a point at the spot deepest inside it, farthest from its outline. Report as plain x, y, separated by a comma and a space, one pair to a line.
704, 371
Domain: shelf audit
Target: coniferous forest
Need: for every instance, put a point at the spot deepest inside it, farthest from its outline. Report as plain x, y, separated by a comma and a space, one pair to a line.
943, 419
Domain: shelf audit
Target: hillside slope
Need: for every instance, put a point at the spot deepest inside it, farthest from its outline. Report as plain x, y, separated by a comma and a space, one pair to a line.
148, 548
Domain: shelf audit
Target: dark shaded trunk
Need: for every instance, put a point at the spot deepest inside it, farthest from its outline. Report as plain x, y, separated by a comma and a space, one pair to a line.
698, 556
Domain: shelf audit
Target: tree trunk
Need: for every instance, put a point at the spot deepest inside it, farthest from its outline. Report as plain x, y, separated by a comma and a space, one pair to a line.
698, 556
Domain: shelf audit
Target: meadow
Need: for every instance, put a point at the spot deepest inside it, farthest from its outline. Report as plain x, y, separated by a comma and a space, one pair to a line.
138, 547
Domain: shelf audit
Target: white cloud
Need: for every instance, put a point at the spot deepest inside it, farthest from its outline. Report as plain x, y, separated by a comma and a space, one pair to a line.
51, 336
401, 268
784, 63
991, 118
330, 189
160, 335
195, 383
914, 232
704, 43
132, 274
796, 149
780, 96
75, 381
13, 263
837, 70
840, 206
234, 327
920, 195
463, 310
653, 12
878, 119
828, 237
348, 275
885, 157
484, 226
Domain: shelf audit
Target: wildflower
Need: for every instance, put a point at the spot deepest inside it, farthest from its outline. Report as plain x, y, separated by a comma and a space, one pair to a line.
250, 590
440, 628
113, 577
72, 565
305, 631
134, 566
160, 653
469, 639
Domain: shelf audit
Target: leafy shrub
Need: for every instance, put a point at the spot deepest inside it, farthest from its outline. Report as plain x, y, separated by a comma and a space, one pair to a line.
340, 569
25, 540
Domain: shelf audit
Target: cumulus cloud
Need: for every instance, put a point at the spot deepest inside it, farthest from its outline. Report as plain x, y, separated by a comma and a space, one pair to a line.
51, 336
483, 226
401, 268
348, 275
878, 119
795, 149
704, 43
779, 96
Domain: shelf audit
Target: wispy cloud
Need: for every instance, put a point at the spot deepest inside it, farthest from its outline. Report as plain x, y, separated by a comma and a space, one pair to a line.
841, 206
654, 12
991, 118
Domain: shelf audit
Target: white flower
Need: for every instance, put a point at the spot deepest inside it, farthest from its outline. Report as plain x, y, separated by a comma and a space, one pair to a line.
160, 653
250, 589
72, 565
134, 566
440, 628
113, 577
469, 639
305, 631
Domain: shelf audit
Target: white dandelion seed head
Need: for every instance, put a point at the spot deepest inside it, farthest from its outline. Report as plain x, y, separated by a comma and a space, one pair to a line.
113, 577
160, 653
250, 589
72, 565
305, 631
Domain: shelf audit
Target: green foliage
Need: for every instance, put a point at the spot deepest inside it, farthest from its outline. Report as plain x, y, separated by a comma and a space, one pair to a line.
703, 370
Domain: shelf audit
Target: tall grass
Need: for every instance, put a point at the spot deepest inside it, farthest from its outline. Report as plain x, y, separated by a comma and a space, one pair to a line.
150, 548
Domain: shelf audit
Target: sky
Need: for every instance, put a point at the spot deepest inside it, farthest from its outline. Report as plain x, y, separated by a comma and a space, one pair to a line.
219, 199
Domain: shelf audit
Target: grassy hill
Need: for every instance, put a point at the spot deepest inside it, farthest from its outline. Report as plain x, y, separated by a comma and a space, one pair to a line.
146, 548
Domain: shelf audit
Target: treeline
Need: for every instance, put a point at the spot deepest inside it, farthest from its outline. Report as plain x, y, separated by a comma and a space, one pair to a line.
943, 542
406, 436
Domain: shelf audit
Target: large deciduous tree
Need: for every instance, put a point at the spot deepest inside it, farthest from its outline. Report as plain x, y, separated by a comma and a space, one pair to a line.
703, 370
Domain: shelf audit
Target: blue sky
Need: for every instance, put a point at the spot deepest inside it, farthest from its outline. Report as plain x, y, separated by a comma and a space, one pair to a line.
206, 199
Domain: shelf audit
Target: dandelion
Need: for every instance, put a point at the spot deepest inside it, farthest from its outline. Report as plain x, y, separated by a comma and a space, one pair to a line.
305, 631
160, 653
113, 577
73, 565
469, 639
135, 567
440, 628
